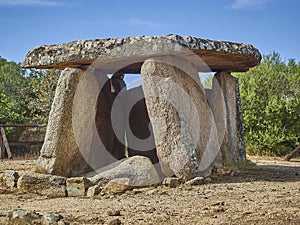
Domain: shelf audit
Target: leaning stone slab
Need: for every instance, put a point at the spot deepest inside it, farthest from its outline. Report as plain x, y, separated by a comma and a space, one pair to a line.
218, 55
138, 169
183, 124
48, 185
60, 154
226, 106
77, 186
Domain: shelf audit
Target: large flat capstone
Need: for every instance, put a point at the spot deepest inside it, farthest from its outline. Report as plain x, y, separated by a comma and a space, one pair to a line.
217, 55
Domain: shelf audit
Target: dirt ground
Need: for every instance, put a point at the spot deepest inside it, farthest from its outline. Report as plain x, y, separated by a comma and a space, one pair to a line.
266, 194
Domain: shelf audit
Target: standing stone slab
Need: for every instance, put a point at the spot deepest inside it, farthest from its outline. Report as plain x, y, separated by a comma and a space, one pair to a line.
227, 109
60, 154
184, 129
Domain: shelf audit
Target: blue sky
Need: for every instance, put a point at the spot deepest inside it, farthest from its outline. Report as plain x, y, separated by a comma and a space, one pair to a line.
267, 24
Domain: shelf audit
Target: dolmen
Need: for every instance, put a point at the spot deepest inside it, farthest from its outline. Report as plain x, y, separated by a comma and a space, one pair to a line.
170, 122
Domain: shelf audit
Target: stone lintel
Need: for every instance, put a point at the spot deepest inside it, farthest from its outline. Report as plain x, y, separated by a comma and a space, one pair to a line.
218, 55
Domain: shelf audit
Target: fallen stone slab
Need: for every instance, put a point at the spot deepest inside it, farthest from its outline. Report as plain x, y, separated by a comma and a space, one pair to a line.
138, 169
218, 55
42, 184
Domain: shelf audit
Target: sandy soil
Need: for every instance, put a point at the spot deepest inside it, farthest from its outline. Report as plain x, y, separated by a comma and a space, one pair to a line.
267, 194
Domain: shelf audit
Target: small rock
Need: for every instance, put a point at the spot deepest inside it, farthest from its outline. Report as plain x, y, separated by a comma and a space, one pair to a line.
196, 181
117, 186
220, 171
2, 190
49, 185
93, 191
114, 212
77, 186
9, 178
208, 179
115, 222
20, 216
171, 182
51, 219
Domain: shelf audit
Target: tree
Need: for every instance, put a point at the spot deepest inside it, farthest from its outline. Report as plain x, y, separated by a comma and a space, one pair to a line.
271, 106
13, 85
42, 85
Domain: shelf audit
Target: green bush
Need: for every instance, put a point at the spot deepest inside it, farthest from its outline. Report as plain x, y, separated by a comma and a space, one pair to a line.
271, 106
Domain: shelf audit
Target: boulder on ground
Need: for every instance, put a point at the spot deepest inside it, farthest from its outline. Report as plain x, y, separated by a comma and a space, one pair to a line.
138, 169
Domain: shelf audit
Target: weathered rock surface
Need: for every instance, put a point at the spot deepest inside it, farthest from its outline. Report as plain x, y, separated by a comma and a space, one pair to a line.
183, 124
138, 169
226, 106
9, 178
48, 185
218, 55
77, 186
60, 154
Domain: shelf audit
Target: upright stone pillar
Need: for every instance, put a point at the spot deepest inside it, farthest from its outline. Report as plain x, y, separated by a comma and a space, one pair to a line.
226, 106
184, 129
60, 154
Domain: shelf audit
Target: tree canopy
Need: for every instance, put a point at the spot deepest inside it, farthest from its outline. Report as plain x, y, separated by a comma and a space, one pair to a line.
271, 105
25, 96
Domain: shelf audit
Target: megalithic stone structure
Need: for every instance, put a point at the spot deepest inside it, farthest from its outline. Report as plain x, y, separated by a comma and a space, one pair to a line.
191, 134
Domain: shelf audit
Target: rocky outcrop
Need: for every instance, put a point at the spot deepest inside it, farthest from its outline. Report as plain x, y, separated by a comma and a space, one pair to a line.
226, 106
218, 55
183, 124
60, 154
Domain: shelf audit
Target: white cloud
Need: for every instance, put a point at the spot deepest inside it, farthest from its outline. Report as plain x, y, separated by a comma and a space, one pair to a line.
248, 4
139, 22
29, 3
